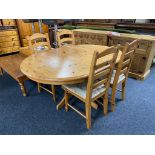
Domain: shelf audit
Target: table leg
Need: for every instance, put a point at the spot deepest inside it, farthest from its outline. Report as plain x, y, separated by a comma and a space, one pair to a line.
61, 104
22, 87
1, 71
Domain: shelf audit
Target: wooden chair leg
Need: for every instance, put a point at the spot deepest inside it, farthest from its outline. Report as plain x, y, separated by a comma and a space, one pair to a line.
105, 104
123, 90
66, 100
88, 114
23, 89
113, 98
39, 88
53, 91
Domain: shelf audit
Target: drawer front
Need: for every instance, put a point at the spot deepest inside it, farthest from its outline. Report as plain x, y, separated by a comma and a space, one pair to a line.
9, 49
9, 38
9, 44
8, 22
143, 44
90, 38
4, 33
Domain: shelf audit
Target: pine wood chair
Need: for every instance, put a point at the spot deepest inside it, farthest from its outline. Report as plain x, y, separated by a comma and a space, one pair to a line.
120, 74
95, 87
41, 42
65, 36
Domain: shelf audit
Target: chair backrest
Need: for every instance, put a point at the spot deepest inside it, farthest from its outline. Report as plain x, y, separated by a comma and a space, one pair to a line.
65, 36
39, 41
126, 60
101, 70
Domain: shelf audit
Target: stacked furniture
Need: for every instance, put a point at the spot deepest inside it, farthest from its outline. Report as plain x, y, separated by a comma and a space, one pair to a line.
25, 29
140, 67
9, 38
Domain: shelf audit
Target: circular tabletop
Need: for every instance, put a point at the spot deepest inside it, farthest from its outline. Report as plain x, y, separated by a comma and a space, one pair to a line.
66, 65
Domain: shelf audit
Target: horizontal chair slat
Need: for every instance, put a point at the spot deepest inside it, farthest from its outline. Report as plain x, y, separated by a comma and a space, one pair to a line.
103, 73
126, 62
98, 83
124, 70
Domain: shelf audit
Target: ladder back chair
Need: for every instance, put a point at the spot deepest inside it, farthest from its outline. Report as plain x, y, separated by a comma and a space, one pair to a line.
96, 86
120, 74
41, 42
65, 36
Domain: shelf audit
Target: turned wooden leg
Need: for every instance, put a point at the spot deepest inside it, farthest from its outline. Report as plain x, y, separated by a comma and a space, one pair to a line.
22, 87
53, 92
123, 90
1, 71
66, 100
39, 88
105, 104
88, 114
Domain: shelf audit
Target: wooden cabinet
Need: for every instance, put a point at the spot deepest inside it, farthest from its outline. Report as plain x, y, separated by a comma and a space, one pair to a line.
143, 57
25, 29
83, 37
9, 41
8, 22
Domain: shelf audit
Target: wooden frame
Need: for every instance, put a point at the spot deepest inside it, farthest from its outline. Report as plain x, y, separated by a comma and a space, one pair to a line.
41, 37
123, 68
62, 40
100, 75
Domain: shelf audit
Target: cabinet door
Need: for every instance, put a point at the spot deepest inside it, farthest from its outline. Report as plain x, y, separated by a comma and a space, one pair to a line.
139, 63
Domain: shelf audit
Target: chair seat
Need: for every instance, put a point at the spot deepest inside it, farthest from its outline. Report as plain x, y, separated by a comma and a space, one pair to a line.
121, 77
80, 89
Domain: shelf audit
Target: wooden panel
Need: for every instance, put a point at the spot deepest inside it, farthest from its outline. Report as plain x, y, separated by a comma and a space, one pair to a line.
9, 38
8, 22
139, 63
9, 49
90, 38
25, 29
10, 44
4, 33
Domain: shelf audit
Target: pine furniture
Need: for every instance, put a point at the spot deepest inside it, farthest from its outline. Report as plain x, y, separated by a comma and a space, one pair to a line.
40, 42
97, 85
69, 64
140, 67
65, 36
25, 29
11, 65
120, 74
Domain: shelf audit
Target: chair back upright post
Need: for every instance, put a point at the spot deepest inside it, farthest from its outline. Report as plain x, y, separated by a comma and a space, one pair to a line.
37, 40
65, 36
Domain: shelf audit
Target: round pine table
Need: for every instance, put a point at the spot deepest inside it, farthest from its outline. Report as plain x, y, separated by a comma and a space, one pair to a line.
69, 64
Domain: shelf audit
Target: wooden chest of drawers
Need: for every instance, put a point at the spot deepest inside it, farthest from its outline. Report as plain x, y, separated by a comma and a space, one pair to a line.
9, 41
144, 55
8, 22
